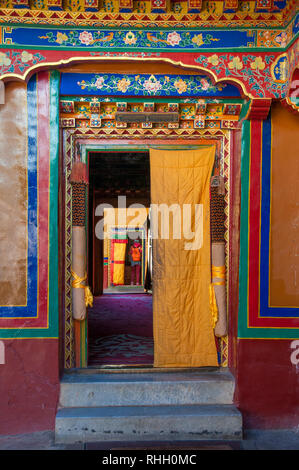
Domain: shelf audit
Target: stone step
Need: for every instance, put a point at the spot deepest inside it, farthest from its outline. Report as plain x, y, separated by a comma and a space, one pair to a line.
147, 389
148, 423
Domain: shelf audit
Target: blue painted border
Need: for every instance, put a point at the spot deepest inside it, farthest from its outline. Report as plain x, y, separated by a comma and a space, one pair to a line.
30, 310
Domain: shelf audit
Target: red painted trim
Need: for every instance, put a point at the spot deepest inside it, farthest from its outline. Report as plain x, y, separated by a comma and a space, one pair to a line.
234, 244
44, 193
43, 178
58, 58
254, 216
254, 321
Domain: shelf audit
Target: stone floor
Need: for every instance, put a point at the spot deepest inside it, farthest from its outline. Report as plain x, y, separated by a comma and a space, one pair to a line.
253, 440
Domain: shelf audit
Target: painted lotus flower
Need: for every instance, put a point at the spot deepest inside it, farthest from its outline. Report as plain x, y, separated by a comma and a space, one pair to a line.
173, 38
258, 64
282, 39
4, 59
204, 84
236, 63
130, 38
152, 85
123, 84
181, 86
26, 57
85, 38
99, 83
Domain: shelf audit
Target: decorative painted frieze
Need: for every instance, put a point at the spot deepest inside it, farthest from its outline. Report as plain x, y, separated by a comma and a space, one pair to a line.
186, 39
144, 85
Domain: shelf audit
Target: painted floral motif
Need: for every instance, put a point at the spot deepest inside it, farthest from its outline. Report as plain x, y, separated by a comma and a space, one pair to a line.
213, 59
274, 38
130, 38
181, 86
99, 83
16, 61
198, 40
26, 57
4, 59
61, 37
123, 85
282, 39
254, 72
235, 63
173, 39
205, 84
151, 85
85, 38
120, 38
258, 64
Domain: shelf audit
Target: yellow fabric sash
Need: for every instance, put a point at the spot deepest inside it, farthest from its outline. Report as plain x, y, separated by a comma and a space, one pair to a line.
77, 284
217, 272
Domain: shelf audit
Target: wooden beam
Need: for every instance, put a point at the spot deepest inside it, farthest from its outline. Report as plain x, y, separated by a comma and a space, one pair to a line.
158, 6
125, 6
194, 6
146, 117
230, 6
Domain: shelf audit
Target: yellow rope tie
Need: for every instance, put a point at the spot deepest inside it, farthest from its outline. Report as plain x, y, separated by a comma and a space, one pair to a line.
217, 272
77, 284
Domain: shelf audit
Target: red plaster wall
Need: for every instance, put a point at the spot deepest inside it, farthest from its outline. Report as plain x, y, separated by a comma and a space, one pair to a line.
267, 384
29, 385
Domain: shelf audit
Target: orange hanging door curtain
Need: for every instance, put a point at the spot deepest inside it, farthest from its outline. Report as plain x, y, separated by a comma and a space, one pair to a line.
180, 218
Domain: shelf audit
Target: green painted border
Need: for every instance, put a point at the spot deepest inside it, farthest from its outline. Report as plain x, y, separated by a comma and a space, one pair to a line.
244, 239
153, 49
53, 306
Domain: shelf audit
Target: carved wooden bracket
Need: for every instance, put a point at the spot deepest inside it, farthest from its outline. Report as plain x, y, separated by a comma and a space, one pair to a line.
259, 109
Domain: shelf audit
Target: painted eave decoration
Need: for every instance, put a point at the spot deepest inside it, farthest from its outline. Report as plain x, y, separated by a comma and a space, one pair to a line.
249, 45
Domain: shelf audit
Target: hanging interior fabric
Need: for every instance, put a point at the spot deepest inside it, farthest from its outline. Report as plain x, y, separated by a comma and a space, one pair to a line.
183, 323
118, 255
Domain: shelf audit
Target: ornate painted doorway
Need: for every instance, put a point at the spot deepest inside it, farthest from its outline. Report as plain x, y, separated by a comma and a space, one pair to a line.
88, 126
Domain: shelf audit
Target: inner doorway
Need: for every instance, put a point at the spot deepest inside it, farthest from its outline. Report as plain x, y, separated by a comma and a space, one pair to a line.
120, 324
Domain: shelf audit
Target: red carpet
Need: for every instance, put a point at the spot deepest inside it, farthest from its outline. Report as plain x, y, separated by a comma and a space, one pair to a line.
120, 330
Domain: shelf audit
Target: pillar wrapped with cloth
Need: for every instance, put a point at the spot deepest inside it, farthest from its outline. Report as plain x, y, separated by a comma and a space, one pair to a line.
218, 285
81, 293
